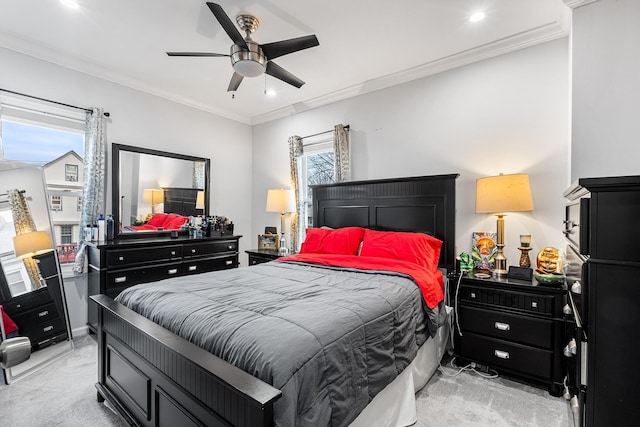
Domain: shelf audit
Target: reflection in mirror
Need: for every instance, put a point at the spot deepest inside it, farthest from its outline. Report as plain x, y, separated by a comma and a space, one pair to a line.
152, 184
31, 288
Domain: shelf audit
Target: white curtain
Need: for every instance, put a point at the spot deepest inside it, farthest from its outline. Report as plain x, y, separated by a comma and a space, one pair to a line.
341, 165
94, 166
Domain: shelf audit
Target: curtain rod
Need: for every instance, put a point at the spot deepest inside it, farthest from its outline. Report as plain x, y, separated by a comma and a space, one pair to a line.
322, 133
88, 110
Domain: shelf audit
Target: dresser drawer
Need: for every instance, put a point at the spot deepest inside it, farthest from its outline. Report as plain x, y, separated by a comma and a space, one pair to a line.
530, 361
125, 257
27, 319
28, 301
122, 279
196, 266
209, 248
526, 302
511, 327
39, 333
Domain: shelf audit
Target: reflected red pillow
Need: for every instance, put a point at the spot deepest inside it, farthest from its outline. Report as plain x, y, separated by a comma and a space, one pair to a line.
157, 219
341, 241
418, 248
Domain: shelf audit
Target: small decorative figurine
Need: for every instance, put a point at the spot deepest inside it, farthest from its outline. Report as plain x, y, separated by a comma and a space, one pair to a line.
549, 266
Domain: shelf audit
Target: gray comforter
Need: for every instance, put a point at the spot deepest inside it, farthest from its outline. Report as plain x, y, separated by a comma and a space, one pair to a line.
330, 340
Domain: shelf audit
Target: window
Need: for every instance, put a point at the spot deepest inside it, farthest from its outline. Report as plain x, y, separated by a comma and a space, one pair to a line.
71, 173
79, 204
56, 203
317, 167
66, 234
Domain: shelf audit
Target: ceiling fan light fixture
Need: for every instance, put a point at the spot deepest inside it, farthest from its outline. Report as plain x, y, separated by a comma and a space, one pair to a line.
71, 4
477, 16
248, 63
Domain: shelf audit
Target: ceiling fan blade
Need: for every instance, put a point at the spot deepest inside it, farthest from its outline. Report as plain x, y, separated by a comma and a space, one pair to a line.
276, 49
278, 72
236, 79
195, 54
227, 24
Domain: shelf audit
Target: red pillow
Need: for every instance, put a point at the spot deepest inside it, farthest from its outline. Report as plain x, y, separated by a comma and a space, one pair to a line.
157, 219
175, 222
418, 248
341, 241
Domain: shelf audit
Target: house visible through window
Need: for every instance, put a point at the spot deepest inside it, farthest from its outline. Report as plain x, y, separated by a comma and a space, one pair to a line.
71, 173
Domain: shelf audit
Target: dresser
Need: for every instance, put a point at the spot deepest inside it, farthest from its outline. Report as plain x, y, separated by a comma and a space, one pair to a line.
603, 230
39, 314
513, 326
116, 266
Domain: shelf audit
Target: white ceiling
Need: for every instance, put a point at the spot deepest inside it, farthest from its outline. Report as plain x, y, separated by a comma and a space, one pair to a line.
365, 45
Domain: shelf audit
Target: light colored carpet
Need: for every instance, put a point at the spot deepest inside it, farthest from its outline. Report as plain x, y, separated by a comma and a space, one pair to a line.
63, 394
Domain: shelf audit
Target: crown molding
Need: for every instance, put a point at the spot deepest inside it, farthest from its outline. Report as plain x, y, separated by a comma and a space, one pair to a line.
578, 3
541, 34
86, 66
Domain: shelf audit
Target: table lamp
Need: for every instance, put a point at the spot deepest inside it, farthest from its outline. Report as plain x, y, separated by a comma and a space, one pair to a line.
282, 201
500, 194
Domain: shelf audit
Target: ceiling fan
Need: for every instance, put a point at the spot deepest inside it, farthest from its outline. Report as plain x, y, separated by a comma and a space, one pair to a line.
250, 59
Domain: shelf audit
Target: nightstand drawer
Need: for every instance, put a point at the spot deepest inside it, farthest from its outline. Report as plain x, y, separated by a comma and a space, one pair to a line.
510, 327
530, 361
526, 302
33, 318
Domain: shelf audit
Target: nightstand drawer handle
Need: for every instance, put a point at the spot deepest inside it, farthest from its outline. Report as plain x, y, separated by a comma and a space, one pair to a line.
193, 251
121, 279
502, 326
501, 354
193, 268
473, 294
571, 349
47, 329
120, 258
230, 247
172, 271
229, 262
576, 288
43, 313
173, 252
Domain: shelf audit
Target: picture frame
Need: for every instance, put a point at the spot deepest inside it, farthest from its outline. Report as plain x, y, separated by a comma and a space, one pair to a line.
484, 249
268, 242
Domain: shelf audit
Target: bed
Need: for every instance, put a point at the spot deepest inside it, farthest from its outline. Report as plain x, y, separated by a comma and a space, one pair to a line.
152, 376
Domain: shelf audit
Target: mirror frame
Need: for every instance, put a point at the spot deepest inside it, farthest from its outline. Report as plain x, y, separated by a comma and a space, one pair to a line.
115, 186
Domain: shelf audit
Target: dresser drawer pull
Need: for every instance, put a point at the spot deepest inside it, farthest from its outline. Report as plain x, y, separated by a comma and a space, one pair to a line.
576, 288
48, 328
173, 252
502, 326
473, 294
229, 262
120, 258
501, 354
193, 267
571, 349
230, 247
193, 251
534, 304
172, 271
121, 279
567, 310
43, 313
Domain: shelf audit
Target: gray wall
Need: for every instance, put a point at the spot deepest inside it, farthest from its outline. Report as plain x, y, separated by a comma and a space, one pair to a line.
605, 89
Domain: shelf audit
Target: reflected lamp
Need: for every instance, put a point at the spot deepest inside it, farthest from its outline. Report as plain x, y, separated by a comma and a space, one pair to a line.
32, 243
153, 197
500, 194
200, 200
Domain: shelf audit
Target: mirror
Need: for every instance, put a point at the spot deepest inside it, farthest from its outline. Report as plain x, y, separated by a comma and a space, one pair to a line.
147, 182
31, 287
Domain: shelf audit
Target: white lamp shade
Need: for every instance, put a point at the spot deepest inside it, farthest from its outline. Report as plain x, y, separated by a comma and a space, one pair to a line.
33, 243
503, 193
281, 201
200, 200
152, 196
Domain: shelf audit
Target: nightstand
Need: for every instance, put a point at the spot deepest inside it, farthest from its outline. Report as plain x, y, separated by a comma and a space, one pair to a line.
513, 326
258, 256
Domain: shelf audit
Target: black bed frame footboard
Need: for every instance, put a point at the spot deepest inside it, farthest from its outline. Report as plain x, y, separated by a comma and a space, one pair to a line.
155, 378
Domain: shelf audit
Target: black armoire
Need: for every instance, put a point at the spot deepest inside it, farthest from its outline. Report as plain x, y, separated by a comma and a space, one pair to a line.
602, 226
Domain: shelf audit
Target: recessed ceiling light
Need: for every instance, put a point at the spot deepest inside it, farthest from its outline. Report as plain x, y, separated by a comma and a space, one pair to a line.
477, 16
71, 4
270, 92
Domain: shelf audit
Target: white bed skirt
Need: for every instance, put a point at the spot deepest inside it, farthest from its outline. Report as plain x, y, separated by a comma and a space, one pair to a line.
395, 405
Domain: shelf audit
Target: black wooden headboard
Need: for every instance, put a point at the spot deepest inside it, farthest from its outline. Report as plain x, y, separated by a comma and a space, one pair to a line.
423, 204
